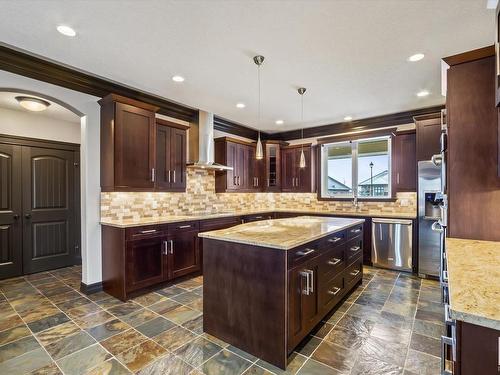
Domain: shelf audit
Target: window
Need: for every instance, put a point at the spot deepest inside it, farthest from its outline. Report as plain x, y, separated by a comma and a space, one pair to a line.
359, 168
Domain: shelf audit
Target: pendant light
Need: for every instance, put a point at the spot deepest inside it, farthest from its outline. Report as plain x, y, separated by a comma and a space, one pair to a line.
302, 161
259, 153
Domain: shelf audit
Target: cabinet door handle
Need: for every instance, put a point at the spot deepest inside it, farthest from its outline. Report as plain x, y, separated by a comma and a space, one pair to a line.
152, 174
307, 289
184, 226
165, 248
174, 176
355, 248
354, 273
234, 180
148, 231
335, 291
172, 247
238, 180
334, 261
306, 252
169, 175
445, 341
311, 272
334, 239
397, 178
355, 230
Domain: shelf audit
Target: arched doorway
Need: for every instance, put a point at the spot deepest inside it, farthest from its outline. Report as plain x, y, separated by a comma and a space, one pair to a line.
40, 185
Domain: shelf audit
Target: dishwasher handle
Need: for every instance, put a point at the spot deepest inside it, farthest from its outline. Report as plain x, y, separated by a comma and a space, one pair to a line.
391, 221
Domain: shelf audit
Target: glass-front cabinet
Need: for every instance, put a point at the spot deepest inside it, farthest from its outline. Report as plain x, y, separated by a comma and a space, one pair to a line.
272, 168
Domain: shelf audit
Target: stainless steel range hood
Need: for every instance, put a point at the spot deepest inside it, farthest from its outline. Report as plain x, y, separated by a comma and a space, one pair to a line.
201, 144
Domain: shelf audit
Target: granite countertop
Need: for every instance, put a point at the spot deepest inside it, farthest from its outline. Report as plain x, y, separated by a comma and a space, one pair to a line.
127, 223
282, 234
474, 281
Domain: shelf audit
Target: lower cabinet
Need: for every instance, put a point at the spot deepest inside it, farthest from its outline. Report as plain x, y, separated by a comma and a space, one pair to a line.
184, 253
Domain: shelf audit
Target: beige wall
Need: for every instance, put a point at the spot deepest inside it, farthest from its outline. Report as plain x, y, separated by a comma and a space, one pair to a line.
200, 197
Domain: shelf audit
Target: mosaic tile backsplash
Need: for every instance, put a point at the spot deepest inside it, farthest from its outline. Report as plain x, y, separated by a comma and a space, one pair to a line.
200, 198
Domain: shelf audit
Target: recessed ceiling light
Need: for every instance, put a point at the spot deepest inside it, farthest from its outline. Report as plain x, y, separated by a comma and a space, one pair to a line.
240, 105
178, 79
279, 122
422, 93
416, 57
348, 118
32, 104
66, 30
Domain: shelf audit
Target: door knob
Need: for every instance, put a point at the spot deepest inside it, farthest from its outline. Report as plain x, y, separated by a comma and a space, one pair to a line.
27, 216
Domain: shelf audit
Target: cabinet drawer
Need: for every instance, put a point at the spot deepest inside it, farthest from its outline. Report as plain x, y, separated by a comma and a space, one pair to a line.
334, 240
146, 231
331, 264
183, 226
219, 223
355, 231
257, 217
354, 272
331, 292
353, 249
302, 253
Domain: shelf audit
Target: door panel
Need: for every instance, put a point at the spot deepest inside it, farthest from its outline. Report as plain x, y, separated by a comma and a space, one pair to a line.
305, 173
146, 263
178, 158
232, 161
288, 169
241, 158
184, 253
134, 147
10, 211
162, 157
49, 209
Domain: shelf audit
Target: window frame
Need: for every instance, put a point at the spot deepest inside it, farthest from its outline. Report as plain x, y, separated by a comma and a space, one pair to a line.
323, 169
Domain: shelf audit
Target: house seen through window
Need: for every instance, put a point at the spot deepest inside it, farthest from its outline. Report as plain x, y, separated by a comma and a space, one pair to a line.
356, 168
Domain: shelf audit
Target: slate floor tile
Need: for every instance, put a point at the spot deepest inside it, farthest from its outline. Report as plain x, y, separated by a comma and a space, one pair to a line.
198, 351
69, 344
14, 334
340, 358
36, 359
123, 341
56, 333
312, 367
174, 338
17, 348
168, 365
139, 356
84, 360
108, 329
155, 326
426, 344
225, 363
422, 364
110, 367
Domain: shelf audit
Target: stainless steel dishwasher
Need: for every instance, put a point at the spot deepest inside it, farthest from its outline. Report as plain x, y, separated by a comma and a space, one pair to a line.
392, 244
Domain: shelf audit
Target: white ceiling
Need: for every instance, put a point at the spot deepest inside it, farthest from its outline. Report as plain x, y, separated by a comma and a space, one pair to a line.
55, 110
350, 55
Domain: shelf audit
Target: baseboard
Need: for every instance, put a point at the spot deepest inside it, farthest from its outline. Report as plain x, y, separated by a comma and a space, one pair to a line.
90, 288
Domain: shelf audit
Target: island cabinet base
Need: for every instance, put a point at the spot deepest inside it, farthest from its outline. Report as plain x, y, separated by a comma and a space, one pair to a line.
265, 301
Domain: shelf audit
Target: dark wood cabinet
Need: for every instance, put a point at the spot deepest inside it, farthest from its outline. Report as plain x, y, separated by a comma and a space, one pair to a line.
294, 178
184, 254
271, 170
428, 129
127, 144
404, 162
257, 217
170, 156
239, 155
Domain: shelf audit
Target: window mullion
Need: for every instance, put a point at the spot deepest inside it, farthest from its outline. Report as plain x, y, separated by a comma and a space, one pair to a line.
354, 179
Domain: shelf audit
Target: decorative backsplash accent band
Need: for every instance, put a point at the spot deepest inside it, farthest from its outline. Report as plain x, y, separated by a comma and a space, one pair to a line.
200, 198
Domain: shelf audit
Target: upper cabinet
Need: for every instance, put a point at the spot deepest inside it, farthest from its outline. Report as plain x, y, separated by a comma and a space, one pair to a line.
404, 162
272, 166
294, 178
170, 156
428, 130
239, 155
136, 153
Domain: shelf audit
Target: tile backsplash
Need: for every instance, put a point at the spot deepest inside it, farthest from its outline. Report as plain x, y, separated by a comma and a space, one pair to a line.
200, 197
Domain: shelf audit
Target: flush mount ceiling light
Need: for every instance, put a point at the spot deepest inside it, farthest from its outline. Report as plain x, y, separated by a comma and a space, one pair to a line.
302, 160
259, 152
32, 104
66, 30
422, 93
416, 57
279, 122
240, 105
178, 79
348, 118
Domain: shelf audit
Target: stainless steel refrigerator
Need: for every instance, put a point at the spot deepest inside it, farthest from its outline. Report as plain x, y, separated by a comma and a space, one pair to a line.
430, 201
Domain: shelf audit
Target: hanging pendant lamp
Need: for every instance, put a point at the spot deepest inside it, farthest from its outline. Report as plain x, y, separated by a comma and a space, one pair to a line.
302, 160
259, 153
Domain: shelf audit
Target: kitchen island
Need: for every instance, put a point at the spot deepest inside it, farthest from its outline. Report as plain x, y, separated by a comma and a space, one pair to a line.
267, 284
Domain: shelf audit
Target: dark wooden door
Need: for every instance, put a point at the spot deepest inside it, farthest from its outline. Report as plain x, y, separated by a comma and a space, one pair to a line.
242, 164
49, 230
404, 163
10, 211
146, 263
304, 174
252, 171
428, 137
288, 169
232, 161
163, 173
184, 256
134, 147
302, 303
178, 155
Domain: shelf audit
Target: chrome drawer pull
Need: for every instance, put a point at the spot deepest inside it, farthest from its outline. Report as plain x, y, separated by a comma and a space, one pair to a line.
334, 261
148, 231
355, 248
165, 247
447, 318
355, 230
307, 252
335, 291
184, 226
444, 342
258, 217
335, 239
355, 273
445, 276
306, 274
